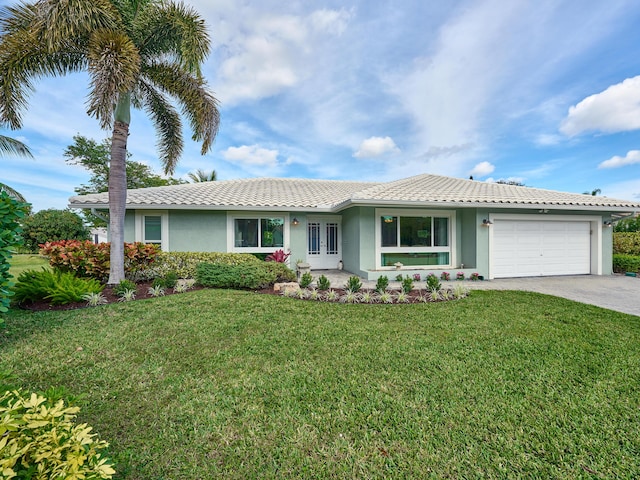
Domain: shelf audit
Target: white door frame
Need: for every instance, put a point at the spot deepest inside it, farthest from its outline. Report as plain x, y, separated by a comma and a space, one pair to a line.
320, 258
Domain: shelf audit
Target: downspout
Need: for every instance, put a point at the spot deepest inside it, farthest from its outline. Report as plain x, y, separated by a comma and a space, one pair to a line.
99, 215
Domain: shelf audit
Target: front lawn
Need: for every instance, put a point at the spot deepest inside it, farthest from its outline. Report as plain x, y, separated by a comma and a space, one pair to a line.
229, 384
20, 263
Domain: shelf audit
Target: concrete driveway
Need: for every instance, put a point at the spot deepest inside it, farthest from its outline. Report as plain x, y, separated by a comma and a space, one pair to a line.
615, 292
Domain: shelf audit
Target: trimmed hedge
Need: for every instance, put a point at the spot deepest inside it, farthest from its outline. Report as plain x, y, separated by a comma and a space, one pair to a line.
184, 263
627, 243
251, 276
626, 263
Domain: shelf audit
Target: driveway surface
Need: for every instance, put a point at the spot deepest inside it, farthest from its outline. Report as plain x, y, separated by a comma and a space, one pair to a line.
615, 292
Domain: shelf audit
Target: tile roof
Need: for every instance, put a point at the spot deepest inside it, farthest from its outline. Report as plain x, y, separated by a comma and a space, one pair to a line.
332, 195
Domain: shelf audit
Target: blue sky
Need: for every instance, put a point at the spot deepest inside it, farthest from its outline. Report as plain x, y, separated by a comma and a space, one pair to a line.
544, 92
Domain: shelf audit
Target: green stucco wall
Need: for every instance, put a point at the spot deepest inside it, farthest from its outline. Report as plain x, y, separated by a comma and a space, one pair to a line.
197, 231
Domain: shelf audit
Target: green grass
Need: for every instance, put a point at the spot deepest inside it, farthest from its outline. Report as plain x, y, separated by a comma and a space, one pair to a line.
20, 263
226, 384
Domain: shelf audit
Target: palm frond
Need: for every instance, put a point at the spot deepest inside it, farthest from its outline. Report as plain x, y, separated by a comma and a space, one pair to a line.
167, 122
176, 30
114, 65
201, 176
12, 192
11, 146
198, 104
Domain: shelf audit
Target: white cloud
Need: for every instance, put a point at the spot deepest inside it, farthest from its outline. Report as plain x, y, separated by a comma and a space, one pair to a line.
376, 147
632, 156
330, 21
616, 109
251, 155
548, 139
482, 169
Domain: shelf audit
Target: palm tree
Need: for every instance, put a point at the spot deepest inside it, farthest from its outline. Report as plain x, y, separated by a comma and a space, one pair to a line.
144, 54
202, 176
11, 146
594, 192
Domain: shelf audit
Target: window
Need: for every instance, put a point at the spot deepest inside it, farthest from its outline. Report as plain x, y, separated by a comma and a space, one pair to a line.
152, 226
152, 229
414, 239
259, 233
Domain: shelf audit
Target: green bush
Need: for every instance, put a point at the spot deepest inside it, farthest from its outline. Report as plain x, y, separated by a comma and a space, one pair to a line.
57, 287
123, 286
11, 211
323, 283
354, 284
433, 282
40, 439
52, 225
382, 284
250, 275
184, 264
627, 243
407, 284
306, 279
626, 263
627, 225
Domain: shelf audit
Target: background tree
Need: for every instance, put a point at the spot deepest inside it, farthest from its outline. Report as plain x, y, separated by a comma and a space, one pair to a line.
140, 53
594, 192
51, 225
94, 157
11, 146
202, 176
627, 225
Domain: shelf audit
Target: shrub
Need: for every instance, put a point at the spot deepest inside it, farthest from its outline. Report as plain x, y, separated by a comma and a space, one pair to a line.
407, 284
627, 225
123, 286
278, 256
305, 280
625, 263
52, 225
58, 287
399, 277
627, 243
185, 264
250, 276
40, 439
382, 284
353, 285
433, 283
445, 276
11, 211
323, 283
168, 281
460, 276
87, 259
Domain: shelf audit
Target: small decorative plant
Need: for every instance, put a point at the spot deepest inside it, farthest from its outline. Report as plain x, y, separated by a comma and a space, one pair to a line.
399, 277
313, 294
350, 297
332, 296
127, 296
305, 280
354, 284
94, 299
407, 284
402, 297
445, 276
460, 276
123, 286
323, 283
157, 291
433, 282
416, 277
279, 256
368, 297
382, 284
386, 297
475, 276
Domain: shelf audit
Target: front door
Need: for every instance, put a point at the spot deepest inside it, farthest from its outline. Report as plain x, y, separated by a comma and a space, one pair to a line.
323, 243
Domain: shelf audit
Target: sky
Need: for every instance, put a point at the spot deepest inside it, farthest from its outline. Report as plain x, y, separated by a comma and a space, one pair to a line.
544, 92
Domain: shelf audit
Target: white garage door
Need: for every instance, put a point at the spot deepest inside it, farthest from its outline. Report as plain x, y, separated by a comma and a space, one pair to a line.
535, 248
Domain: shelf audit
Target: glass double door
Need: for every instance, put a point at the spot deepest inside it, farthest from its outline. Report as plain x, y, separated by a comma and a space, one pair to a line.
323, 243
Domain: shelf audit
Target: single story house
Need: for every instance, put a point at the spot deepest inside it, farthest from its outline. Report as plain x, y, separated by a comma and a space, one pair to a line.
425, 223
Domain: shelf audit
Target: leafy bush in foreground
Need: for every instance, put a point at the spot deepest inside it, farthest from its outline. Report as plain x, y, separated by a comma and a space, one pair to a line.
626, 263
250, 275
39, 439
627, 243
11, 211
58, 287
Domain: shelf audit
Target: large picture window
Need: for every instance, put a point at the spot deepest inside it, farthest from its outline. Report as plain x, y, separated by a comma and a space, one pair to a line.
414, 239
259, 232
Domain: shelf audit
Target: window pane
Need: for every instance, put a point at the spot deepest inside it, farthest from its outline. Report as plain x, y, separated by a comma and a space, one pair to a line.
416, 259
415, 231
441, 232
389, 231
152, 229
246, 232
314, 239
332, 238
272, 232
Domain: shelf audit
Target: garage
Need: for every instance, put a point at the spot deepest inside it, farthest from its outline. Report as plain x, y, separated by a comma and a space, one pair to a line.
531, 248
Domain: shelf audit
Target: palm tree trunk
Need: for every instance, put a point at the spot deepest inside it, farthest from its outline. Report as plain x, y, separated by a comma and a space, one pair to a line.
118, 188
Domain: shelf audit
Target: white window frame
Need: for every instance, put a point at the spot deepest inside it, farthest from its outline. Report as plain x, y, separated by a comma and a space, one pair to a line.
231, 229
164, 227
379, 249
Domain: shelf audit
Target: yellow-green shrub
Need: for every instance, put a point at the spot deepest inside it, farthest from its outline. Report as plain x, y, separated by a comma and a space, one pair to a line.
627, 243
184, 263
39, 439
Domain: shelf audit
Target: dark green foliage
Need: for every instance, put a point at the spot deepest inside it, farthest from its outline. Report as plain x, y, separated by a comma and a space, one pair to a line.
353, 284
382, 284
407, 284
249, 276
52, 225
282, 272
123, 286
433, 282
626, 263
11, 211
627, 243
58, 287
305, 280
323, 283
170, 279
399, 277
627, 225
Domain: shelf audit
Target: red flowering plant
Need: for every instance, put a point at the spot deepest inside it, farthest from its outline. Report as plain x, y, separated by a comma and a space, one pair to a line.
279, 256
